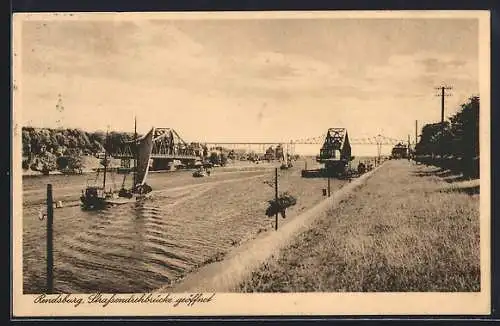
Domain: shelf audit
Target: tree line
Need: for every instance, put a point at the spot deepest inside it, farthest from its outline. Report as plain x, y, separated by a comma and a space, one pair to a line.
453, 144
62, 141
46, 149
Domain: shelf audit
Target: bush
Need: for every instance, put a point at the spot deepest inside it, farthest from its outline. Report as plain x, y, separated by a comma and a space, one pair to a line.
44, 163
453, 145
285, 201
70, 163
75, 163
62, 162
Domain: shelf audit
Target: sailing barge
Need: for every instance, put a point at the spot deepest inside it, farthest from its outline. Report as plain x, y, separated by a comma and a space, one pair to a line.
97, 197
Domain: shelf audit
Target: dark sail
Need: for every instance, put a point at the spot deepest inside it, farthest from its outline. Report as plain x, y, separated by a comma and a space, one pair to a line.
145, 146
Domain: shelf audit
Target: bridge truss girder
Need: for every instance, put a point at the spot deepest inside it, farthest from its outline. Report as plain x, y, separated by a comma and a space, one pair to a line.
166, 144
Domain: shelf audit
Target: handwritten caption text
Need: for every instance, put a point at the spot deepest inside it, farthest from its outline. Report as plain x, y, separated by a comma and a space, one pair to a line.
107, 299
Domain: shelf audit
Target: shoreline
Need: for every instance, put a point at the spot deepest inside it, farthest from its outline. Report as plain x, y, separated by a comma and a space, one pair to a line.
227, 274
228, 168
410, 228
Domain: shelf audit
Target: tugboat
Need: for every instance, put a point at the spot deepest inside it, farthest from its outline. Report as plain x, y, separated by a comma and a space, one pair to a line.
201, 172
94, 197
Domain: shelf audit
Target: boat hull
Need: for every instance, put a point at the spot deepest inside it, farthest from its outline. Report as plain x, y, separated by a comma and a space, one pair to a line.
122, 200
99, 203
93, 203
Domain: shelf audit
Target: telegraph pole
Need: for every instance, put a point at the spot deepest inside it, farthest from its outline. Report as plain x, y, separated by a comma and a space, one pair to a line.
378, 141
416, 132
443, 90
409, 147
276, 197
416, 141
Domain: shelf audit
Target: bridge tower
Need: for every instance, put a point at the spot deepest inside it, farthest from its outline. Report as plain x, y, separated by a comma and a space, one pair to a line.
168, 147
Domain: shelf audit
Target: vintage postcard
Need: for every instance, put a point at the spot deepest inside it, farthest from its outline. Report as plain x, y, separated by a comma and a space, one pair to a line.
251, 163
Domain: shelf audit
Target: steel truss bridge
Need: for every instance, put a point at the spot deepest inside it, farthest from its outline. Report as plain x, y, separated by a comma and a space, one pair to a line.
168, 145
378, 140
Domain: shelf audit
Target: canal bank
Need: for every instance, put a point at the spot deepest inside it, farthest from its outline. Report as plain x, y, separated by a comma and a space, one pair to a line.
227, 274
410, 228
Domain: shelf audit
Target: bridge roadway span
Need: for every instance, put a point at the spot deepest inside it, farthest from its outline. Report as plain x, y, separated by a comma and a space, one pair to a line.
164, 156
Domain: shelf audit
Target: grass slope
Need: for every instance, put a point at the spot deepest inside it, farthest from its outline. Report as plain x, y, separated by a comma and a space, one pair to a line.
410, 228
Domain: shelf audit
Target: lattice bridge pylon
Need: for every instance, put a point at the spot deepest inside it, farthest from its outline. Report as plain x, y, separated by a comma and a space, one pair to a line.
167, 144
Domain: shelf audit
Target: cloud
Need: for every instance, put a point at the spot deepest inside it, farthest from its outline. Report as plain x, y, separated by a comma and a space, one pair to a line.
417, 74
275, 75
123, 51
436, 64
160, 54
110, 71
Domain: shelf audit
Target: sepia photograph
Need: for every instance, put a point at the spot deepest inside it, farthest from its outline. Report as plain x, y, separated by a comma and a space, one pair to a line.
204, 163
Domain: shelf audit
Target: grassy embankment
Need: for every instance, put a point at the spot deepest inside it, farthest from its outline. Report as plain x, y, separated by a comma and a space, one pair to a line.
410, 228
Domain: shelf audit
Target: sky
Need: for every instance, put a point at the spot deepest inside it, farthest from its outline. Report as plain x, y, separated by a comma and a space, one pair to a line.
247, 80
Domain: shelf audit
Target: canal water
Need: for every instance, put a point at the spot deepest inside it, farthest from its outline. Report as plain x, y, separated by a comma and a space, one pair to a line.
128, 248
187, 222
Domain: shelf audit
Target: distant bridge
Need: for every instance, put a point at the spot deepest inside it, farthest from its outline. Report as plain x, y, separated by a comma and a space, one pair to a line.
169, 146
316, 141
375, 140
378, 140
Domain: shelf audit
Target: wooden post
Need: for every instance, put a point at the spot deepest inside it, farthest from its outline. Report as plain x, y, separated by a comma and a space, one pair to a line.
276, 196
50, 258
442, 104
328, 186
409, 147
416, 132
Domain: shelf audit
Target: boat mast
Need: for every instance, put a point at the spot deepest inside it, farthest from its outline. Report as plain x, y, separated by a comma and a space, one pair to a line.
286, 154
105, 162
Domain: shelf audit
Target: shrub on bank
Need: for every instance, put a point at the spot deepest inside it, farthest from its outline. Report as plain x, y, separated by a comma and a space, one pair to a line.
285, 201
454, 144
468, 167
